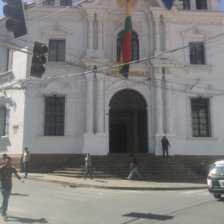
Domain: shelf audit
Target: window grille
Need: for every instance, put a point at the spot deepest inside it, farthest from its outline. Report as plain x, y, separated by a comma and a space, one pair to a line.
201, 4
2, 120
54, 116
186, 4
56, 51
200, 117
49, 2
197, 53
66, 2
134, 45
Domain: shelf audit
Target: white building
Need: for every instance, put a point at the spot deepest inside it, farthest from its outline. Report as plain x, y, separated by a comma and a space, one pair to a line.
176, 91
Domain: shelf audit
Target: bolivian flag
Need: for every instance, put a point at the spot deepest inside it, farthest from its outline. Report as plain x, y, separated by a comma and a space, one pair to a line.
125, 56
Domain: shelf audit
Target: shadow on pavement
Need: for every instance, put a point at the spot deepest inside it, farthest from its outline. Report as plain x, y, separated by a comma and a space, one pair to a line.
18, 194
25, 220
102, 181
138, 215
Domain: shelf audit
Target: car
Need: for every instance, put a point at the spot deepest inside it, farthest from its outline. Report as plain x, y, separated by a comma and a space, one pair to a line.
215, 179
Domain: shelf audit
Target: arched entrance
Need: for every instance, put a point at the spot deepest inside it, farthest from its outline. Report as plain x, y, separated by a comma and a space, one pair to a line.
128, 123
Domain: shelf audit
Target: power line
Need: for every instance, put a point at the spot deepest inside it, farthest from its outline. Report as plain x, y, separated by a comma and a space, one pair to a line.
111, 67
135, 61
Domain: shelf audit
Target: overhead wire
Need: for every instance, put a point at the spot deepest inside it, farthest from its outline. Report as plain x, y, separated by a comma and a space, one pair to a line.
116, 66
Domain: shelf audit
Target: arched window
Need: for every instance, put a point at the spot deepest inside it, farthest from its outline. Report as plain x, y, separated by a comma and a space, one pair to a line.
134, 45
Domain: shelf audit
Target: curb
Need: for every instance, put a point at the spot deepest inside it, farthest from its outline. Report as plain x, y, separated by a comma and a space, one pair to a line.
140, 188
73, 185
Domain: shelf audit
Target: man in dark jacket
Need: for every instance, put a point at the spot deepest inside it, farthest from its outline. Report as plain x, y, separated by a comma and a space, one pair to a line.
165, 145
6, 172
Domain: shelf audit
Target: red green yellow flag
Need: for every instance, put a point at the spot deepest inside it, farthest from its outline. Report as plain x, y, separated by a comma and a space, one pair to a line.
125, 56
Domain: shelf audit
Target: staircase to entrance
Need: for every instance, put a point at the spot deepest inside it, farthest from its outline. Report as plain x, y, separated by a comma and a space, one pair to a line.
152, 168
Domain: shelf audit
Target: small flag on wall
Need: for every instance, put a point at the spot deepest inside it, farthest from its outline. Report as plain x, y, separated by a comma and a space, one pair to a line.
168, 4
125, 56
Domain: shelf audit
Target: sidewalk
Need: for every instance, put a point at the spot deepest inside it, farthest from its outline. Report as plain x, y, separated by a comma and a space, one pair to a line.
118, 184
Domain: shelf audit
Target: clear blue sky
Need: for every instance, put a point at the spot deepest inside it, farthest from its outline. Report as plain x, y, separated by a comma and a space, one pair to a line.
221, 6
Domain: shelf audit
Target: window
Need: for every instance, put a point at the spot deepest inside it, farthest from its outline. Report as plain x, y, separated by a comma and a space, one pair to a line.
200, 117
186, 4
7, 59
56, 51
66, 2
2, 120
54, 116
49, 2
134, 45
201, 4
197, 53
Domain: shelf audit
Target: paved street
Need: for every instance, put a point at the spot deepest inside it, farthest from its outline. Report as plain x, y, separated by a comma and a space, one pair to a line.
44, 202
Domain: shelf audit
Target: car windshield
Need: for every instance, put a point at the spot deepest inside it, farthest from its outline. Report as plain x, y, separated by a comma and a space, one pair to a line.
219, 169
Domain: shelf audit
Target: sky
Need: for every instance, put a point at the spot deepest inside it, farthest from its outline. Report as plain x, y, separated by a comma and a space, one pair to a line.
221, 6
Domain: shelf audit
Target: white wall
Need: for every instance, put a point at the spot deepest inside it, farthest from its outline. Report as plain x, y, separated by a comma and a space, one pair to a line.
187, 80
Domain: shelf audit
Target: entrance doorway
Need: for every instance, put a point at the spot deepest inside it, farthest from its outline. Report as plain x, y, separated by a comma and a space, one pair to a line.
128, 123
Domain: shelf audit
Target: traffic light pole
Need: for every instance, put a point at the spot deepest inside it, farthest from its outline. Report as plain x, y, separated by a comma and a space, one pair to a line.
15, 49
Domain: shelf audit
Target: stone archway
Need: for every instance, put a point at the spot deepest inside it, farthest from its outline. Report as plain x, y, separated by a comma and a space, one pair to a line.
128, 123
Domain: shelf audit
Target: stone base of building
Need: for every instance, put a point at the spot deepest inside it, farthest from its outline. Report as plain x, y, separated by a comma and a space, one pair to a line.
50, 162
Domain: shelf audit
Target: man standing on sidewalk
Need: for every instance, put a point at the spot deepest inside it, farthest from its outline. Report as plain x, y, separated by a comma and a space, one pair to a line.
6, 172
26, 158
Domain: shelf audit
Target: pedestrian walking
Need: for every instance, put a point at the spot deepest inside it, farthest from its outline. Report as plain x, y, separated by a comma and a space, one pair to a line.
6, 172
4, 157
26, 159
165, 145
88, 164
134, 168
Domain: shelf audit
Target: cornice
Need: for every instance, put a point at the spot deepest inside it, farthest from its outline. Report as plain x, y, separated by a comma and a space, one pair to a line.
195, 17
6, 76
199, 68
196, 21
57, 28
170, 65
69, 15
195, 32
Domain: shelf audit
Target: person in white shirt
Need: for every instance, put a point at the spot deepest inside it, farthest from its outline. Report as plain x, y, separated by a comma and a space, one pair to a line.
88, 164
26, 159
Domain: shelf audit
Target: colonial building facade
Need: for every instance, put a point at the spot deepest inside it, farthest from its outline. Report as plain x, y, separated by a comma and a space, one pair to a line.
82, 104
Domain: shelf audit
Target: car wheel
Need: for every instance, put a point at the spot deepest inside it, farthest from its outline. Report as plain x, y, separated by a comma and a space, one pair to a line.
217, 195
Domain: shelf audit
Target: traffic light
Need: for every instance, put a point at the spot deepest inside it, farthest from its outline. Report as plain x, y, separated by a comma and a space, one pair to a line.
14, 12
38, 59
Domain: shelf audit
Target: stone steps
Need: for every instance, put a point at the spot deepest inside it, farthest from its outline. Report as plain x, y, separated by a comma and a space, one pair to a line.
117, 165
